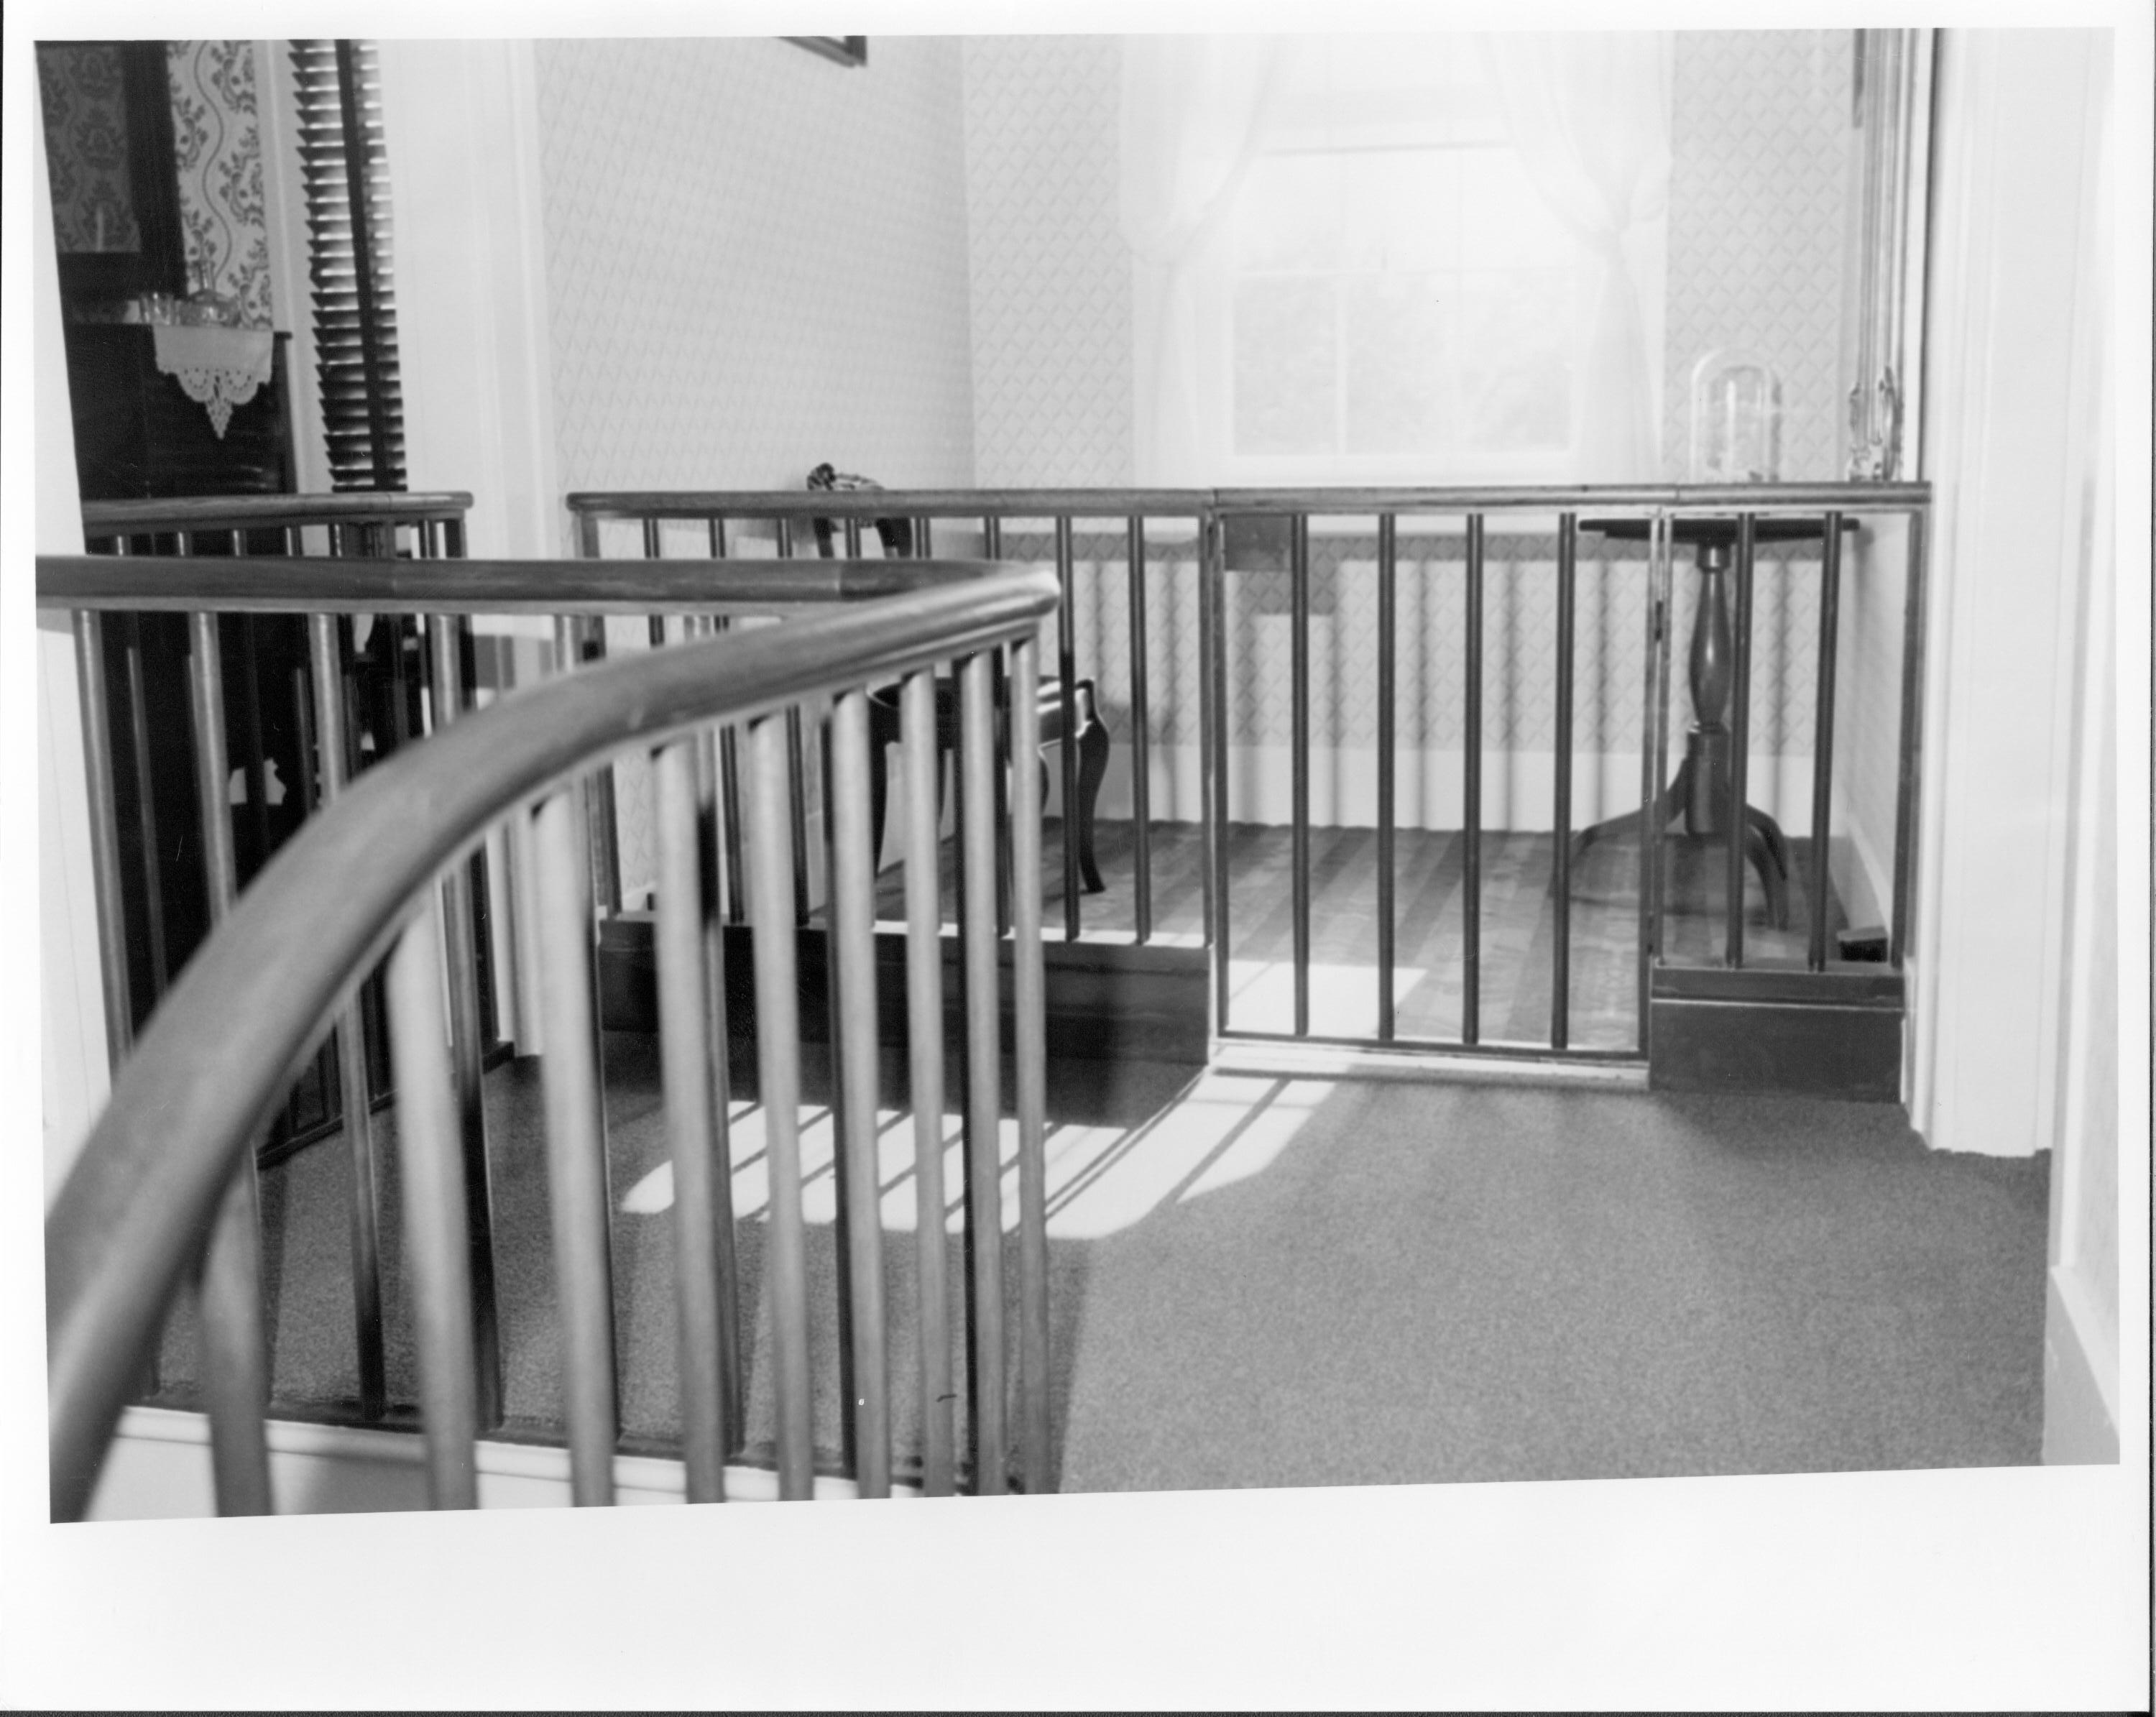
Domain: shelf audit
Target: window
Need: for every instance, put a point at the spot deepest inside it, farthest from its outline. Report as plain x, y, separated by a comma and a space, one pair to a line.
1389, 297
341, 157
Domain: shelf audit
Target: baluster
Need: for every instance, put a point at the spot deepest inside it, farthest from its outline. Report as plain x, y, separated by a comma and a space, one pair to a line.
719, 1082
1823, 739
570, 1075
145, 812
1028, 1049
1908, 775
779, 1068
431, 1173
466, 1049
1567, 546
685, 1033
979, 957
1066, 671
252, 765
1654, 761
235, 1354
330, 743
1212, 706
853, 948
1471, 944
1387, 764
797, 810
1140, 739
104, 834
921, 761
1299, 760
1740, 739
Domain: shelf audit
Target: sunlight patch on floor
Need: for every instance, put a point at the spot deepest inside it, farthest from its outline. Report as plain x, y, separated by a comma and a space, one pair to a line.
1100, 1179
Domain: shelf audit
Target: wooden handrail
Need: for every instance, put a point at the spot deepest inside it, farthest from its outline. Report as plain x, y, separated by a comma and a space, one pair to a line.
252, 1004
244, 513
879, 503
1124, 503
268, 584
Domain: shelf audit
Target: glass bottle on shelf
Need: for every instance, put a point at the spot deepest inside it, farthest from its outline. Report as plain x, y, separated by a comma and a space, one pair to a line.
1736, 419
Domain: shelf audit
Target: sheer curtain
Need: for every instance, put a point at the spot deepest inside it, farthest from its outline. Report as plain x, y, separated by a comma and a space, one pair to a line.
1193, 118
1589, 113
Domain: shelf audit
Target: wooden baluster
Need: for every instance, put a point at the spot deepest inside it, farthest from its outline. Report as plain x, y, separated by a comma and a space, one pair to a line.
330, 741
235, 1354
978, 961
853, 945
1028, 1053
921, 759
570, 1078
431, 1172
778, 1066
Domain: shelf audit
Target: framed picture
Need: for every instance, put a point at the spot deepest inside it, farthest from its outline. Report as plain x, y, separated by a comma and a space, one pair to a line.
847, 50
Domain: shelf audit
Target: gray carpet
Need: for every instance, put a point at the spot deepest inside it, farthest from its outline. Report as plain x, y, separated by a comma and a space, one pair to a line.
1354, 1283
1463, 1283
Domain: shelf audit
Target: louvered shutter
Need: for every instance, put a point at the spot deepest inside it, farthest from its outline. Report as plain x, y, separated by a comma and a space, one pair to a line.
347, 174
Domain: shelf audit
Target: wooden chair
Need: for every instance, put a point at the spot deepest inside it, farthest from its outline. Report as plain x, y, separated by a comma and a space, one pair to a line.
1089, 734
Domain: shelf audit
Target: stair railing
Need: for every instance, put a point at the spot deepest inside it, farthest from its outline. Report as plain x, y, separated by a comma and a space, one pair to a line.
169, 1164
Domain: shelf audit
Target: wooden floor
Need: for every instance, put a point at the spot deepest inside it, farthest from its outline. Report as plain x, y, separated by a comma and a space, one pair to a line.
1516, 924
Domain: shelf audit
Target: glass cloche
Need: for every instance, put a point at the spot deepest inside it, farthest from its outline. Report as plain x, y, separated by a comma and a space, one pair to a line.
1736, 419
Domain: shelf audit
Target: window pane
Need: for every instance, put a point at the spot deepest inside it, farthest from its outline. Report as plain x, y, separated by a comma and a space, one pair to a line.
1515, 377
1284, 365
1288, 214
1399, 330
1400, 210
1504, 222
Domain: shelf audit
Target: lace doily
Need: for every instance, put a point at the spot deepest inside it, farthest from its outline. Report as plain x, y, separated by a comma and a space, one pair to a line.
216, 367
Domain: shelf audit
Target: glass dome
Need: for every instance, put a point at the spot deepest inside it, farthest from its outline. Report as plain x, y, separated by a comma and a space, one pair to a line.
1736, 420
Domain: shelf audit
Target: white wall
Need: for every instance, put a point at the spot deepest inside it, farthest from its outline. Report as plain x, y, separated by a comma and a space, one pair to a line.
73, 1073
2084, 1073
2010, 450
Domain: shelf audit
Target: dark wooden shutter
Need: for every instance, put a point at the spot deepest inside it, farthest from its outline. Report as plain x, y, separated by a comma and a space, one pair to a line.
347, 173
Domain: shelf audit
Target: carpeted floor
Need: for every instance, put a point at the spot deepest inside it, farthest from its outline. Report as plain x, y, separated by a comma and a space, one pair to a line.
1459, 1282
1264, 1283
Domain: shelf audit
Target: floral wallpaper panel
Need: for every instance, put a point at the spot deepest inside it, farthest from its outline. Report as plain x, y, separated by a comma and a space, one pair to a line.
85, 112
217, 140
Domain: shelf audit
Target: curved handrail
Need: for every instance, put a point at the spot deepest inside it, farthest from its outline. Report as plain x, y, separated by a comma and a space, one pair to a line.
245, 513
217, 1055
277, 584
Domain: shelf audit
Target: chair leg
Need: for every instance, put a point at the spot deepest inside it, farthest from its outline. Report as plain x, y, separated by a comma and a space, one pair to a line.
1761, 852
1092, 771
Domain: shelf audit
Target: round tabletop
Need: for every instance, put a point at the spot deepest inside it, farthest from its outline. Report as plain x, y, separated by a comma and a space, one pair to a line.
1716, 533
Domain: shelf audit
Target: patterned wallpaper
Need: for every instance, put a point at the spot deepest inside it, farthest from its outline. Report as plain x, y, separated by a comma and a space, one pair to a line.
756, 260
1760, 145
1051, 279
85, 116
217, 140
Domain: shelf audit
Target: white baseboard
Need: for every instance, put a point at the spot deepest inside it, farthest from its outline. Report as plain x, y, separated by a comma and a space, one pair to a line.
2081, 1379
159, 1469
